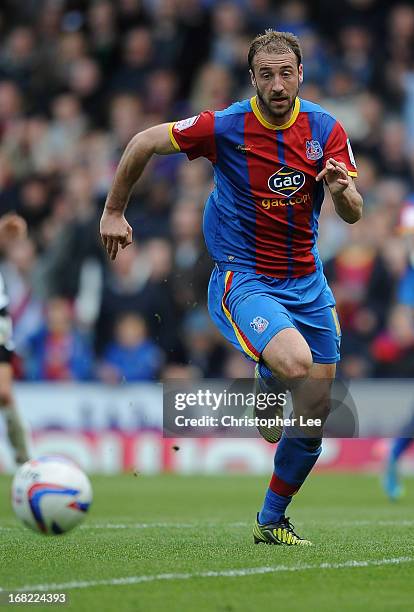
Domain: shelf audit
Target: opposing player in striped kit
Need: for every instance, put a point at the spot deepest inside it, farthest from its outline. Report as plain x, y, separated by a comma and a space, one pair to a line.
268, 295
12, 227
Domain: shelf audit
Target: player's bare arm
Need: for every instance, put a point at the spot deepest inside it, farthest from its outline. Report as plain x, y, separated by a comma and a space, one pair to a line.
114, 228
347, 201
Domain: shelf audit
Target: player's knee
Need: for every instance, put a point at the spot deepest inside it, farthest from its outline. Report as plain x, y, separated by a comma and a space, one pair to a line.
288, 356
6, 397
295, 368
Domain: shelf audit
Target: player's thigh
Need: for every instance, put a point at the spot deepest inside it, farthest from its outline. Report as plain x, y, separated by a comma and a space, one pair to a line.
6, 356
288, 355
257, 323
6, 383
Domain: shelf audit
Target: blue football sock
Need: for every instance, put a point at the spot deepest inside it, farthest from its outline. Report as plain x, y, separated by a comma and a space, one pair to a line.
294, 459
274, 507
398, 447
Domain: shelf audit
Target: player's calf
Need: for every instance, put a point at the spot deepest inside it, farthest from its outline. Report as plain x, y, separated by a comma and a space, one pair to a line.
16, 432
311, 404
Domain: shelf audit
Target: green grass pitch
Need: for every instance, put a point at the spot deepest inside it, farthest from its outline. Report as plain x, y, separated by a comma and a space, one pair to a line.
184, 544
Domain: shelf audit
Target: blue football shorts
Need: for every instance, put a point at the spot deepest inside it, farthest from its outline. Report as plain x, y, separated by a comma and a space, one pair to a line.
249, 309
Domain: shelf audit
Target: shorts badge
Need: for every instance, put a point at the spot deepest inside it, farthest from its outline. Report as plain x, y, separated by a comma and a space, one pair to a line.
259, 324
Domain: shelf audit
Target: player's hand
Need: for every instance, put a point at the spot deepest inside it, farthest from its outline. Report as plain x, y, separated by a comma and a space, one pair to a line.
12, 227
336, 176
115, 232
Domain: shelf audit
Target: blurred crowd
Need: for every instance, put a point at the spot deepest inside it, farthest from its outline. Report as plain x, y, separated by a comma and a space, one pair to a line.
79, 78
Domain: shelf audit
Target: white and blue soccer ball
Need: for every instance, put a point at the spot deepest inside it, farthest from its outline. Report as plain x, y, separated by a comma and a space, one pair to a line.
51, 495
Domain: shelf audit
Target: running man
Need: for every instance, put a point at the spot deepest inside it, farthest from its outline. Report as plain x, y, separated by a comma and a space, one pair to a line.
405, 298
267, 294
12, 227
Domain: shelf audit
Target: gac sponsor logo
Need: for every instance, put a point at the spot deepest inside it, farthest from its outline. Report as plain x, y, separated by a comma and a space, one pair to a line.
280, 202
286, 181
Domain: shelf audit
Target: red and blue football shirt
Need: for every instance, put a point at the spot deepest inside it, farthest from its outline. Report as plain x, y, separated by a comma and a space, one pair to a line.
262, 215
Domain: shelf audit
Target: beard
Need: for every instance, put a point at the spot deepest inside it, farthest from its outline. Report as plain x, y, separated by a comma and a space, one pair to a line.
285, 108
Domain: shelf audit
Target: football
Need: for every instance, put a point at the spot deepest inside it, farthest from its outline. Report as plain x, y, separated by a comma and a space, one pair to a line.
51, 495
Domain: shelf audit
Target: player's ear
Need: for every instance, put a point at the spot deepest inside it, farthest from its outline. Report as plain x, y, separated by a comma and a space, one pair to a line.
300, 70
252, 78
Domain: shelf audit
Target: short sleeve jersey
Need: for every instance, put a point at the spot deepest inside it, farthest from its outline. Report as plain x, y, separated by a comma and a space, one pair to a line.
262, 215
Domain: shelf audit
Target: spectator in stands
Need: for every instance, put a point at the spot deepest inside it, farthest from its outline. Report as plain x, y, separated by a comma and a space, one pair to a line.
393, 348
132, 356
58, 351
137, 281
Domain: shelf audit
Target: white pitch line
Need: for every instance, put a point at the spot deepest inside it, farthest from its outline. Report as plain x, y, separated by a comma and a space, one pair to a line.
230, 573
162, 525
381, 523
238, 524
356, 523
139, 525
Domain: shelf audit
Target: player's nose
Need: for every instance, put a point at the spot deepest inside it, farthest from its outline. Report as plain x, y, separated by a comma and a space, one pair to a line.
277, 86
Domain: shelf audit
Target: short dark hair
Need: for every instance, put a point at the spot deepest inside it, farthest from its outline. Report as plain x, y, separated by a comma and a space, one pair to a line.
275, 42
